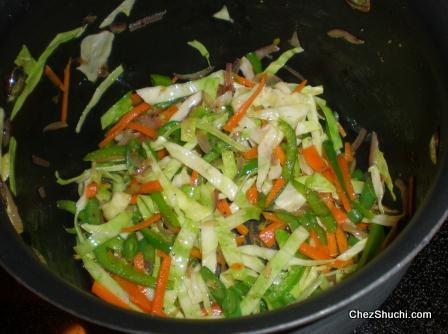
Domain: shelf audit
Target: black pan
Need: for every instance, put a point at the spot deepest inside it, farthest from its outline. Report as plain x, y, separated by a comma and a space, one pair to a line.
394, 84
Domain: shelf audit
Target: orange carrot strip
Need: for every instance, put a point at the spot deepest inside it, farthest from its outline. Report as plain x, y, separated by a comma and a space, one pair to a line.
300, 86
337, 213
240, 240
341, 131
161, 154
148, 132
251, 153
343, 166
166, 114
91, 190
64, 106
161, 283
280, 155
267, 235
242, 229
194, 178
272, 217
134, 198
195, 252
341, 240
315, 239
243, 81
136, 294
252, 195
150, 187
362, 226
123, 122
314, 160
348, 152
237, 266
151, 220
314, 253
236, 118
276, 188
331, 176
223, 207
339, 264
136, 99
53, 77
332, 245
106, 295
139, 261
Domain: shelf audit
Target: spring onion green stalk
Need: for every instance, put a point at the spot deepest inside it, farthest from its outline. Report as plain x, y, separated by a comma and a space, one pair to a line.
276, 65
102, 88
202, 50
36, 70
121, 107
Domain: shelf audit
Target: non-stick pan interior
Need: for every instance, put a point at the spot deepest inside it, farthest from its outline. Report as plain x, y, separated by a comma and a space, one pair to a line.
391, 84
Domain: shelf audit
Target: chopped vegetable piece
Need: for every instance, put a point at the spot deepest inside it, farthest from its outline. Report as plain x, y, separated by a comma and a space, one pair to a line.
161, 285
125, 7
145, 223
202, 50
49, 73
275, 191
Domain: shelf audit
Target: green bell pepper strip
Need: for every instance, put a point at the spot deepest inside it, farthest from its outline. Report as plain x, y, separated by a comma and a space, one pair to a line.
212, 155
121, 107
277, 295
147, 250
374, 241
157, 240
281, 236
249, 168
231, 304
91, 214
367, 197
130, 247
108, 153
332, 159
160, 80
170, 128
332, 127
165, 210
255, 61
215, 286
242, 288
291, 150
317, 205
358, 175
67, 205
120, 267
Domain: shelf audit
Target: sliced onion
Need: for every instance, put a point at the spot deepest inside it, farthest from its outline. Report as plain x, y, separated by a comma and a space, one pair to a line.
143, 22
361, 5
55, 126
223, 100
236, 65
89, 19
118, 27
195, 75
228, 82
266, 50
434, 147
11, 208
40, 161
294, 41
374, 144
352, 229
246, 68
359, 139
340, 33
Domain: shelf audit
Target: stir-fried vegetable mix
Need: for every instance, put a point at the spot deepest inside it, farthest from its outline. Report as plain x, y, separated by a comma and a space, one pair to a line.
211, 198
226, 195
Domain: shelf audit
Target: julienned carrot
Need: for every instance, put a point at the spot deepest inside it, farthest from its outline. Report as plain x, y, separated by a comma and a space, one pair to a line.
272, 217
252, 195
362, 226
136, 99
196, 253
343, 166
341, 131
242, 229
237, 266
314, 160
147, 131
240, 240
236, 118
136, 294
64, 106
332, 244
166, 114
267, 235
194, 178
223, 207
348, 152
106, 295
341, 193
161, 153
150, 187
123, 122
250, 153
341, 240
134, 199
276, 188
313, 252
161, 283
147, 222
300, 86
53, 77
315, 239
243, 81
280, 155
339, 264
139, 261
337, 213
91, 190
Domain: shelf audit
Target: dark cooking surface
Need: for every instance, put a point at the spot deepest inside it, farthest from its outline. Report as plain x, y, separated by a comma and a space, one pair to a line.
422, 289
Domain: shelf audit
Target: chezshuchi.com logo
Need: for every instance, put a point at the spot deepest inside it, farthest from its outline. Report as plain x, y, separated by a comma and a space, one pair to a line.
381, 314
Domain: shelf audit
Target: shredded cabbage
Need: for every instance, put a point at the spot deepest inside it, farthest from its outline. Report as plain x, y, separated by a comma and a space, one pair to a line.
125, 7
